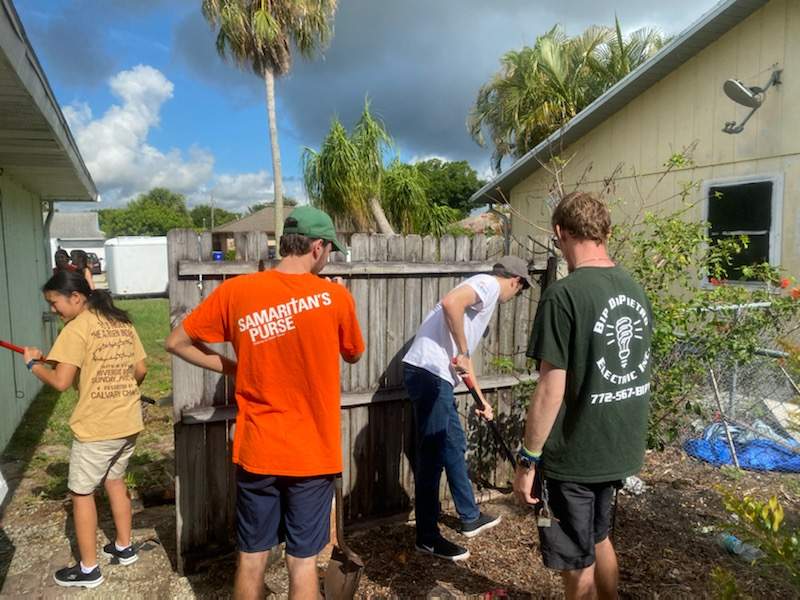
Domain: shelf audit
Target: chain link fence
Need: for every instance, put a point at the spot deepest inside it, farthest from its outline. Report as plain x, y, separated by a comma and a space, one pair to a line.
746, 402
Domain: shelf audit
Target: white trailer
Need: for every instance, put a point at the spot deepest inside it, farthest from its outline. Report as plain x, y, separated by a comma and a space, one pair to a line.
137, 266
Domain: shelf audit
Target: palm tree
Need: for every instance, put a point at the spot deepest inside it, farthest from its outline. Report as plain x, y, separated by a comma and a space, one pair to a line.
259, 35
539, 89
620, 56
344, 177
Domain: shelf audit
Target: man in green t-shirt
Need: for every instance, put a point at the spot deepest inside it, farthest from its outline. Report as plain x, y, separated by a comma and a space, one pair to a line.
586, 427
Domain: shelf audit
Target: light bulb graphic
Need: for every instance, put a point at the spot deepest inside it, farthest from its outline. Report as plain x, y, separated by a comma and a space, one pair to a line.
624, 330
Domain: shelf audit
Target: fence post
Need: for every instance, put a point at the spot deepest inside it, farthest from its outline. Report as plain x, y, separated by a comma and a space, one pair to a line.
187, 391
734, 371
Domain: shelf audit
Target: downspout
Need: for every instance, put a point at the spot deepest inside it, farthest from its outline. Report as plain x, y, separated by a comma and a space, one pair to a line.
51, 210
48, 318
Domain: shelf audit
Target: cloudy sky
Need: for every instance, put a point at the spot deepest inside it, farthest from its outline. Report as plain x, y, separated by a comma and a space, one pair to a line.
151, 103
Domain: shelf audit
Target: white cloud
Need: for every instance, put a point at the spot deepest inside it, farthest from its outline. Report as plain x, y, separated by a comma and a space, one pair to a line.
115, 146
237, 191
418, 158
123, 163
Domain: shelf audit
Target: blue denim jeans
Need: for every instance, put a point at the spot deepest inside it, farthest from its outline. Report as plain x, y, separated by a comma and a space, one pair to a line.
441, 444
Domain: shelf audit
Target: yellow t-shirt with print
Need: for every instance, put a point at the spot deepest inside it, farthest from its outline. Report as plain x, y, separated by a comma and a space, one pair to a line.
106, 352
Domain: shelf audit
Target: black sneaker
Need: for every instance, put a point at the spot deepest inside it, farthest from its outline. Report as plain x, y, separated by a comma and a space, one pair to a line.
482, 523
444, 549
124, 557
74, 577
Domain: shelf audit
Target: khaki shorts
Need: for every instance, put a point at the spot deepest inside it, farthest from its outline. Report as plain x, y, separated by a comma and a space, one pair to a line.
91, 463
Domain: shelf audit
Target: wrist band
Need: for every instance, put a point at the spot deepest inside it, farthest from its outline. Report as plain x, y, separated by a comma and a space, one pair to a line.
529, 454
527, 459
30, 363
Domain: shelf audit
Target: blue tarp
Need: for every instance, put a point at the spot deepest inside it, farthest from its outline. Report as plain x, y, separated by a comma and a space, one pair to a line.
757, 454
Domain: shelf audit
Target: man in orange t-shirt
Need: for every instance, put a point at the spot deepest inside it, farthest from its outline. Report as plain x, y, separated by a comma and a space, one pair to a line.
288, 326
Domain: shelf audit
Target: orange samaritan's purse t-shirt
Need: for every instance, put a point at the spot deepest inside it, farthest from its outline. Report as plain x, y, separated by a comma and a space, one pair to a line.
288, 331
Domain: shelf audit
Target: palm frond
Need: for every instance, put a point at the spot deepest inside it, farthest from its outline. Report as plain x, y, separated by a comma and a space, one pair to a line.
259, 34
539, 88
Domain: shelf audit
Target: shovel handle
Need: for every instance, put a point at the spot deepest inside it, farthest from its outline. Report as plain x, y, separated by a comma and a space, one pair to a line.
492, 425
340, 522
10, 346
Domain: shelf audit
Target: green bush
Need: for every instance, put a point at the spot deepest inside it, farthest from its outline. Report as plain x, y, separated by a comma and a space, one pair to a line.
761, 524
684, 273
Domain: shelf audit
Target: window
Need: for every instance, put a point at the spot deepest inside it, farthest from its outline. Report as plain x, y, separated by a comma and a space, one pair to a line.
748, 206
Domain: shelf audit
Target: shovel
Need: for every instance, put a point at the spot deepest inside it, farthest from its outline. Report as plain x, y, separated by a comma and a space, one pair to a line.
345, 566
504, 449
12, 347
20, 349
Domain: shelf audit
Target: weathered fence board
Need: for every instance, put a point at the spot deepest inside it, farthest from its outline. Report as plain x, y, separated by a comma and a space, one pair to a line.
210, 414
378, 251
351, 269
187, 385
359, 288
395, 281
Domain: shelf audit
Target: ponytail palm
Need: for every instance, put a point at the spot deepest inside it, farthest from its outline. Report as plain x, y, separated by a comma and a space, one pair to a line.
348, 179
344, 177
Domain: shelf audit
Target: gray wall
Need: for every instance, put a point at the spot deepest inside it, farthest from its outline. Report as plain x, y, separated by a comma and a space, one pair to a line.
23, 270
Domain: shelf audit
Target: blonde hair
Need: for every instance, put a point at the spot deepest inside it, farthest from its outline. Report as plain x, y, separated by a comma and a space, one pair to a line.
584, 216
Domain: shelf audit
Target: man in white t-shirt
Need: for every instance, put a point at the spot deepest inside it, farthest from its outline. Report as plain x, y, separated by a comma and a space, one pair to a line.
452, 330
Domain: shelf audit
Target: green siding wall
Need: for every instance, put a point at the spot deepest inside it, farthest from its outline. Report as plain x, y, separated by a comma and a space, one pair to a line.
23, 270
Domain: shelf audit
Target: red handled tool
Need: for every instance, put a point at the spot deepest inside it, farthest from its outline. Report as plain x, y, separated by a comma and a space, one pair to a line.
492, 425
21, 350
11, 346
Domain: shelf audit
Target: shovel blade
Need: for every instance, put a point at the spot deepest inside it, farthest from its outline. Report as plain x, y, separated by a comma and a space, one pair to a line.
342, 575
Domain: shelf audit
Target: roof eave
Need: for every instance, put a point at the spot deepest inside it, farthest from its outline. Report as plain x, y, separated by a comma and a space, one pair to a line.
15, 45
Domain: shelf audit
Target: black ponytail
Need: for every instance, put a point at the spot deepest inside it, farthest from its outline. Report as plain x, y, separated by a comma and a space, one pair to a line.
80, 259
68, 282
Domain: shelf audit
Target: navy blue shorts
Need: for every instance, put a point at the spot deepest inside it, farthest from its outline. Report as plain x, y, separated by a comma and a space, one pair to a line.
273, 509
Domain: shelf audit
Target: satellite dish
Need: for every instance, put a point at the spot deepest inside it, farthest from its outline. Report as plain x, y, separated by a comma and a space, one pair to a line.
751, 97
741, 94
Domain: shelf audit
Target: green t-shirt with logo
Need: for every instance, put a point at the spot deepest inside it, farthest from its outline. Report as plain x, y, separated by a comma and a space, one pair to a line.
596, 323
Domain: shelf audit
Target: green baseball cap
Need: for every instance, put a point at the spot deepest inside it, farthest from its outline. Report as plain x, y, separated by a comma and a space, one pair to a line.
314, 223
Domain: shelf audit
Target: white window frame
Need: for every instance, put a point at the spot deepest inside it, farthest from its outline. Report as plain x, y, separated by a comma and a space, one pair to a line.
776, 210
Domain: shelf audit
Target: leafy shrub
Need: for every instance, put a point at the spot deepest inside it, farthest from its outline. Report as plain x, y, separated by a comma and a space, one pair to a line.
761, 524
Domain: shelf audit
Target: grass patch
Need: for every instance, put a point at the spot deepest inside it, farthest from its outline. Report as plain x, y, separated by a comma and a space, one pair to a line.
43, 437
151, 319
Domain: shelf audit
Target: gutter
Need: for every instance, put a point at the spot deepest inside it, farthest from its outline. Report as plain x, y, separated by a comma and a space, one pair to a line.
51, 211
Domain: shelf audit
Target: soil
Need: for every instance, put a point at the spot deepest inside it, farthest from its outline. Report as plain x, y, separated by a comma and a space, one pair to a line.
664, 539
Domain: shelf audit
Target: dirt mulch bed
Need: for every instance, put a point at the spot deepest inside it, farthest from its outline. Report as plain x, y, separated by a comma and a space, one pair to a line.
663, 538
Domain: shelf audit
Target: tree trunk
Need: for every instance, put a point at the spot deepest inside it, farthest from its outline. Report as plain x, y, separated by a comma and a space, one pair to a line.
277, 176
380, 217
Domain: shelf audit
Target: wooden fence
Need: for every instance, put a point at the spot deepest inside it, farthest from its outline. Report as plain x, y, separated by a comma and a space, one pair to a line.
395, 281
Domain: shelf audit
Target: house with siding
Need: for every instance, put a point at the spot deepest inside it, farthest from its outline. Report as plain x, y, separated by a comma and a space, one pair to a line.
747, 182
223, 237
39, 165
77, 231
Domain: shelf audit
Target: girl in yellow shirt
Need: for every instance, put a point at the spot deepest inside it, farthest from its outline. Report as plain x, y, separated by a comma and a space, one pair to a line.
99, 350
